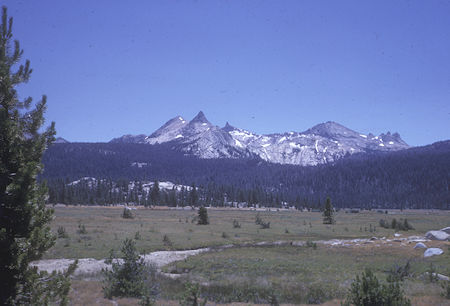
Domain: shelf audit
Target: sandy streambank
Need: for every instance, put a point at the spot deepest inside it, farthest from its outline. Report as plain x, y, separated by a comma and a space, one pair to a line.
91, 266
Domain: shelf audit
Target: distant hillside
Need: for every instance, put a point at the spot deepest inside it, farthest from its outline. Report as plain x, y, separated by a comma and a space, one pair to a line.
415, 178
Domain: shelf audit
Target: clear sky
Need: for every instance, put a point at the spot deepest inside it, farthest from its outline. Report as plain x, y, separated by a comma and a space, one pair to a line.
126, 67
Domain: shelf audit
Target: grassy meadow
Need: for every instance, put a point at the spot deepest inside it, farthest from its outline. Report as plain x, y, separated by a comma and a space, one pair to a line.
252, 274
106, 229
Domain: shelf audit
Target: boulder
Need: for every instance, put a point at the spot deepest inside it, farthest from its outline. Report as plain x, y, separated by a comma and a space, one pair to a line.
439, 276
442, 277
420, 245
437, 235
446, 229
432, 251
397, 235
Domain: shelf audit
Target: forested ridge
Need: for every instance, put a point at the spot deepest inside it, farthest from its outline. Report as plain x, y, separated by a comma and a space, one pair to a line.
414, 178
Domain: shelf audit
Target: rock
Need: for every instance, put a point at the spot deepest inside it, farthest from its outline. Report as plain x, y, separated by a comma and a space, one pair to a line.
446, 229
439, 276
397, 235
420, 245
442, 277
417, 239
298, 243
432, 251
280, 242
437, 235
374, 238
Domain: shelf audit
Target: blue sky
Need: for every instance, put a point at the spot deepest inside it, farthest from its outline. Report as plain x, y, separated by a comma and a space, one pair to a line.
125, 67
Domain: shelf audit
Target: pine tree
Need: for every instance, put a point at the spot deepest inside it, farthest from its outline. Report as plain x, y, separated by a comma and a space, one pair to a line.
24, 231
328, 213
193, 196
127, 277
203, 216
154, 195
368, 291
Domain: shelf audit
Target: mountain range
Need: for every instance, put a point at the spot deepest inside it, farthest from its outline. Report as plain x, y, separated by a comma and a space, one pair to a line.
321, 144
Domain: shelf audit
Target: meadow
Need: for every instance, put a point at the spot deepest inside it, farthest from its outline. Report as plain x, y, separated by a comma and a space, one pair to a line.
248, 273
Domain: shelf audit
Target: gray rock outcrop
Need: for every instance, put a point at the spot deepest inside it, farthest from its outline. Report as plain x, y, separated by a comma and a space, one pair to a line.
432, 252
437, 235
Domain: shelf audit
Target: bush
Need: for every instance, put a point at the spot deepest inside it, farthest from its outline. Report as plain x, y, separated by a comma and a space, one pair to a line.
82, 229
394, 223
273, 300
432, 275
383, 223
264, 225
202, 216
367, 291
191, 295
62, 232
316, 295
236, 224
399, 225
137, 236
261, 222
398, 273
167, 242
127, 214
446, 286
258, 220
311, 244
127, 278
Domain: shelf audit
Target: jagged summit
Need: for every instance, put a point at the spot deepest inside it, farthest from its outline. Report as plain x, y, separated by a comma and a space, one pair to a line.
228, 127
330, 129
323, 143
200, 118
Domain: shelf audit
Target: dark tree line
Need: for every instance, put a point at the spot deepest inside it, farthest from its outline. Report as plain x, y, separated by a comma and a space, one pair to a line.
414, 178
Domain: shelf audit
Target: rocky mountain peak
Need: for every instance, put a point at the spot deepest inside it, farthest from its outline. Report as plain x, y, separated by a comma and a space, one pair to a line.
200, 118
330, 129
323, 143
228, 127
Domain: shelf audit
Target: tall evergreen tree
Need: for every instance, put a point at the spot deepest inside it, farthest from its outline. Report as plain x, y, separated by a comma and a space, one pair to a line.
328, 213
193, 196
155, 194
24, 231
203, 216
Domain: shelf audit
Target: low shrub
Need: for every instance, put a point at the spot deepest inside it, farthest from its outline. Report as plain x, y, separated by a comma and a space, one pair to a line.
311, 244
316, 295
398, 273
167, 242
127, 277
446, 286
264, 225
127, 214
81, 229
367, 290
62, 232
191, 295
399, 225
137, 236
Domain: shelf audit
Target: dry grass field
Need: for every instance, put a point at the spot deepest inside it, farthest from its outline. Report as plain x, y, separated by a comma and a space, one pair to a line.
298, 274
